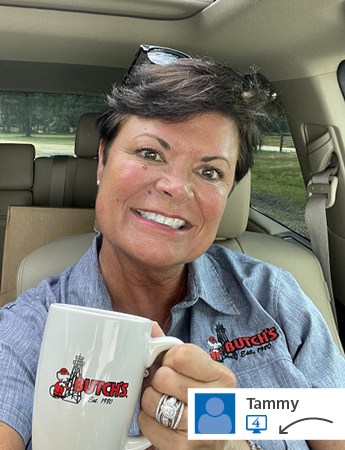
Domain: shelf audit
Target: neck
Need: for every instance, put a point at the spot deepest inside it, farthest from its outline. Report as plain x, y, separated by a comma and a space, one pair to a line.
141, 290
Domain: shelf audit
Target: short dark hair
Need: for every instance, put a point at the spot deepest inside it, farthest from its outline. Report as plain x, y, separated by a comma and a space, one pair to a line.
186, 88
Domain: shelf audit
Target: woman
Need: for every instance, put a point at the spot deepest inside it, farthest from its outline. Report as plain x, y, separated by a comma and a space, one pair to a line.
174, 141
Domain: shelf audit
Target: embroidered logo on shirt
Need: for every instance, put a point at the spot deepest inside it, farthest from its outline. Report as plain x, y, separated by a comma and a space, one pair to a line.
221, 347
71, 386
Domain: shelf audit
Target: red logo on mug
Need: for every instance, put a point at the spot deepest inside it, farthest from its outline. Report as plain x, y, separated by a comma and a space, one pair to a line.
71, 386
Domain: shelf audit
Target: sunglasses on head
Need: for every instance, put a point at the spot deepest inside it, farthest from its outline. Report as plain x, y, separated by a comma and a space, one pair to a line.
156, 55
165, 55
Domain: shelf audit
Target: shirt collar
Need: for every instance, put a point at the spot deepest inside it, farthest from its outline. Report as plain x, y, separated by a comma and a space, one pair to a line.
86, 279
205, 284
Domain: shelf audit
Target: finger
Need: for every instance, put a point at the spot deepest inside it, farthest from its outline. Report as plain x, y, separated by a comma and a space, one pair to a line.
159, 435
156, 330
168, 381
162, 438
193, 362
149, 403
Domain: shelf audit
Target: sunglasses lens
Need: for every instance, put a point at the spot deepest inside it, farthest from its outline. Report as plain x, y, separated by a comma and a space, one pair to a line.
161, 58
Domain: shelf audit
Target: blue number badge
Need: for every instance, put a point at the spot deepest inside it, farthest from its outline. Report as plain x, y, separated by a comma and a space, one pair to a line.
256, 424
214, 413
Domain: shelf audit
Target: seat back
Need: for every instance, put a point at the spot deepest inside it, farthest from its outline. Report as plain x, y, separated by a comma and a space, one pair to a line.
31, 227
86, 149
52, 173
16, 181
66, 251
70, 181
62, 191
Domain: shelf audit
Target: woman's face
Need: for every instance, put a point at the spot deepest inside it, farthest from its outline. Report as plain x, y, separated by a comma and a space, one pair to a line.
164, 187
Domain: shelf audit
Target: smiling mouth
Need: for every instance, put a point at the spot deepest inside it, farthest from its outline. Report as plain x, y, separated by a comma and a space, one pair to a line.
171, 222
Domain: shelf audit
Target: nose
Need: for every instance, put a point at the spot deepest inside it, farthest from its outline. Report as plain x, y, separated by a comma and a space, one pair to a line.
175, 185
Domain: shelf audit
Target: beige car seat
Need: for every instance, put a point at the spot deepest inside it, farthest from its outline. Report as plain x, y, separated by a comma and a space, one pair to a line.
16, 180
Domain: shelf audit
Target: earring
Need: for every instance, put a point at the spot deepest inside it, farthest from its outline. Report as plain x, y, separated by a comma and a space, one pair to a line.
98, 182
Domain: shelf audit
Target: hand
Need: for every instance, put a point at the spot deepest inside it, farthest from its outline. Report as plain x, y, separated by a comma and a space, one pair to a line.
9, 438
184, 366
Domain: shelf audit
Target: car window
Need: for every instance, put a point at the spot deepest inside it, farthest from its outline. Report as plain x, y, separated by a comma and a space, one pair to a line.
48, 121
277, 185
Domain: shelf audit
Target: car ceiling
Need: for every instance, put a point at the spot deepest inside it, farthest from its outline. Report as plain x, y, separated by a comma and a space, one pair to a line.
158, 9
285, 39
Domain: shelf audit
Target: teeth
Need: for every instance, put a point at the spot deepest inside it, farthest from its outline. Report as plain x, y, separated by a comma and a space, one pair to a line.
168, 221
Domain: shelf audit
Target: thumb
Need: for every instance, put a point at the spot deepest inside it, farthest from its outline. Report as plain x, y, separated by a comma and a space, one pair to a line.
156, 330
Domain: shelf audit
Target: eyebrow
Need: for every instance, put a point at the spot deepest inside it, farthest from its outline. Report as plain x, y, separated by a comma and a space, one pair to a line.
212, 158
162, 142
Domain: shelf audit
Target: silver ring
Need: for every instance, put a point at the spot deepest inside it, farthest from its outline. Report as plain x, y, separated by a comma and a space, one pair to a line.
169, 411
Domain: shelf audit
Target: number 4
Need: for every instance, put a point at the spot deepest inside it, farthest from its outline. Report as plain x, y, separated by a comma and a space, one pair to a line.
256, 422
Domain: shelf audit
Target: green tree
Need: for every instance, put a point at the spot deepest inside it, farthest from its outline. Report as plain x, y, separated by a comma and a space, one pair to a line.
29, 113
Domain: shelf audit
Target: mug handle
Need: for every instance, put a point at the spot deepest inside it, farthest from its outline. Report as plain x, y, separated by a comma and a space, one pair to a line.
156, 346
160, 344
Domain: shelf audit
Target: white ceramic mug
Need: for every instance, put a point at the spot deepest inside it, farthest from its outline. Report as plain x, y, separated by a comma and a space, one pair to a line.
89, 377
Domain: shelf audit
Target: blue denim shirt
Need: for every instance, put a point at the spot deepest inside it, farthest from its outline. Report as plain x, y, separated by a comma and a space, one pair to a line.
245, 313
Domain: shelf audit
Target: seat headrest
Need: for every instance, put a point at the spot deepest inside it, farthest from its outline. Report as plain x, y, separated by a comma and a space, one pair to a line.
16, 166
235, 216
87, 137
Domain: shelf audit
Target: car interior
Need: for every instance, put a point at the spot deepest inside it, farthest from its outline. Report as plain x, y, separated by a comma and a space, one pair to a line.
80, 48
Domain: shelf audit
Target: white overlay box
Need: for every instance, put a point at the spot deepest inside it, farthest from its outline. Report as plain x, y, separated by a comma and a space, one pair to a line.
266, 414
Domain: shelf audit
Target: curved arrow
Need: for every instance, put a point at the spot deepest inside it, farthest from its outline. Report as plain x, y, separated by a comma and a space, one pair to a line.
283, 430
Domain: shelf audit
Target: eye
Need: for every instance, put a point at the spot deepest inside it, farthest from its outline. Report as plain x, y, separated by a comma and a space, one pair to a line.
212, 173
149, 154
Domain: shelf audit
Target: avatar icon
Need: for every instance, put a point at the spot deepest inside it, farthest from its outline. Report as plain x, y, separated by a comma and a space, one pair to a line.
215, 421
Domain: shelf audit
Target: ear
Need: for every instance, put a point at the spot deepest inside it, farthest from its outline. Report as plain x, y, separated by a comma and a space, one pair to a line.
100, 160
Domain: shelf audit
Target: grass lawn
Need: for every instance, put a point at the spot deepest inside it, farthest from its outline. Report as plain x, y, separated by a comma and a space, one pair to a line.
274, 140
279, 174
45, 144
